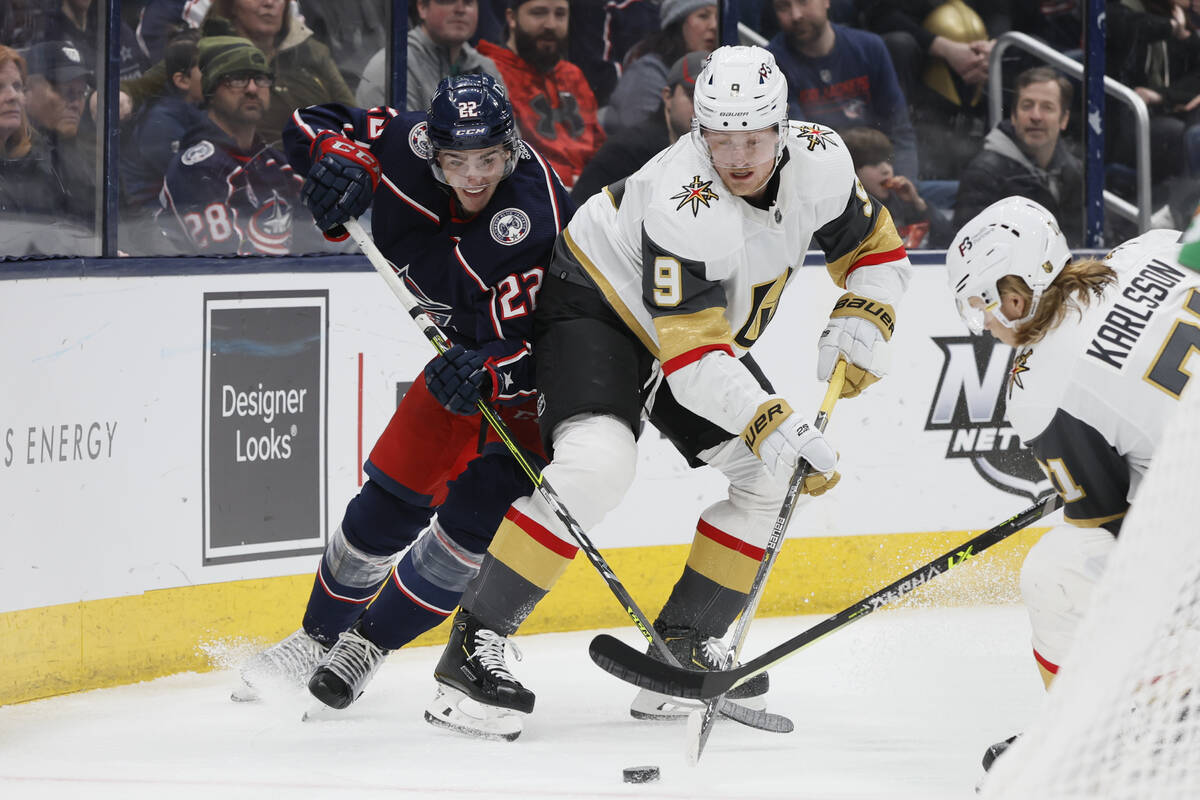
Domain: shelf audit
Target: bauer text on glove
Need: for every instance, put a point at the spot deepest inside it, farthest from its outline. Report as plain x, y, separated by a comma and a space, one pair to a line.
341, 181
858, 330
459, 379
782, 439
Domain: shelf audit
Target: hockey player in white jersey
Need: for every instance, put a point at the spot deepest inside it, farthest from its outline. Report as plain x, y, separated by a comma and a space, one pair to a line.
1102, 347
674, 273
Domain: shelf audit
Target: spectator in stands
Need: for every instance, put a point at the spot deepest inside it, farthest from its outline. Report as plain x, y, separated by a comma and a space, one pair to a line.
58, 83
555, 107
437, 48
1157, 53
686, 25
602, 34
841, 77
940, 52
1024, 155
32, 198
304, 71
352, 29
162, 126
228, 191
912, 44
624, 153
919, 223
74, 22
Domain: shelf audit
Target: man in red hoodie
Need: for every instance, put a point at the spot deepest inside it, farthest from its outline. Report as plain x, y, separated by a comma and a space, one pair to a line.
556, 110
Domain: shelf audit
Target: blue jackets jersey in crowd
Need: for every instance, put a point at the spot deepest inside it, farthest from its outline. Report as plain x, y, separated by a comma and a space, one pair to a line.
156, 142
853, 86
477, 277
217, 198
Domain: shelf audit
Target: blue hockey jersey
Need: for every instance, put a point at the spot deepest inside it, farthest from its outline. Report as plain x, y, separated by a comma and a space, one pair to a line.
476, 277
218, 199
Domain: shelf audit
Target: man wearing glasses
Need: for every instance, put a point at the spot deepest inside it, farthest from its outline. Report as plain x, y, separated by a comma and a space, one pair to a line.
227, 191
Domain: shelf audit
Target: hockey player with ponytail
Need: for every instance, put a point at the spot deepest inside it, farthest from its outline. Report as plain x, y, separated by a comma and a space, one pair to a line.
676, 271
1102, 346
469, 215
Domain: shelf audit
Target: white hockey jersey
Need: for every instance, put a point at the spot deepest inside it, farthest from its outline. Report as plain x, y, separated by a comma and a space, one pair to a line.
1091, 399
691, 268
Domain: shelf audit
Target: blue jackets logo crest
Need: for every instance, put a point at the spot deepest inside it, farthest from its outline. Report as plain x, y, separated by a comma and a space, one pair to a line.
510, 226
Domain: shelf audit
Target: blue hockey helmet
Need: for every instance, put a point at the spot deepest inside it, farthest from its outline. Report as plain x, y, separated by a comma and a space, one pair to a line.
471, 112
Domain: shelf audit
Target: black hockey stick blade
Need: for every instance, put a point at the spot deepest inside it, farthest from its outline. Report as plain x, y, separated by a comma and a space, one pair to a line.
642, 670
755, 718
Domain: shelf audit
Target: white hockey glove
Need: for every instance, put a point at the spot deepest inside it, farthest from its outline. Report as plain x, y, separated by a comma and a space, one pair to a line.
781, 440
858, 330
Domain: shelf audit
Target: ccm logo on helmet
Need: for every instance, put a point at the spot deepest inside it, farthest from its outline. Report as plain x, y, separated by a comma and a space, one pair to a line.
470, 131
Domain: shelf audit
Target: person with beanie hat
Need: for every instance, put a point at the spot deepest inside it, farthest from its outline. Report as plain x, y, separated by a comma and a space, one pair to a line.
687, 26
671, 11
228, 191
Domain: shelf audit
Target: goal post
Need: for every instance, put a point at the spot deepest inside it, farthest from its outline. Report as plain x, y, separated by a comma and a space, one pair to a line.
1122, 718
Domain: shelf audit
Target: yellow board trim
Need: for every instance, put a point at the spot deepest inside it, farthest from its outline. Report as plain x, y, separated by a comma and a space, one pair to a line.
98, 643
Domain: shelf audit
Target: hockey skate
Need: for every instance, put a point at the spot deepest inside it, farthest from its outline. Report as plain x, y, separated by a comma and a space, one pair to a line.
477, 695
285, 665
694, 651
345, 670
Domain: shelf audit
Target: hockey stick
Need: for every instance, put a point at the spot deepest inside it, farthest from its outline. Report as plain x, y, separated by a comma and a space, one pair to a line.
632, 666
775, 723
698, 737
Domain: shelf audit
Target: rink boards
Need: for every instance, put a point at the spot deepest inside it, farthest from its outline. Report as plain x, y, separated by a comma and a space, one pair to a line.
178, 440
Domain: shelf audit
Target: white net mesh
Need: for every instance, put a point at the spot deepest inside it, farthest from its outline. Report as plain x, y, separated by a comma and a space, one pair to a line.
1122, 719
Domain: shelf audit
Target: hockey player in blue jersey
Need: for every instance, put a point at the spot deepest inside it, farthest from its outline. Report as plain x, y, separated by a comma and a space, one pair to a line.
469, 214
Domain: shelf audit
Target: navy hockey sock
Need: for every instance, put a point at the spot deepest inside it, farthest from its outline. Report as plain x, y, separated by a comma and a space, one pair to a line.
408, 605
333, 606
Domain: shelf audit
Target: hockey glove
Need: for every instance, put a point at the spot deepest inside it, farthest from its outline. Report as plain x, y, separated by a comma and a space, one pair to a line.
781, 440
340, 183
858, 330
459, 379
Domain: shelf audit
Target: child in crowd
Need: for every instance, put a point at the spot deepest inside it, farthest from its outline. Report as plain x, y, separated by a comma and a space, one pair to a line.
920, 224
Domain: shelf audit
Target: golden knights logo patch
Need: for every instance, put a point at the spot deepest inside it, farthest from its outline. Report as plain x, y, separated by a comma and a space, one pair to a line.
696, 193
1019, 367
815, 135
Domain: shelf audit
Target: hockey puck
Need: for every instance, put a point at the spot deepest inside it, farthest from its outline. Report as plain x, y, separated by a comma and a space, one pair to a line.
640, 774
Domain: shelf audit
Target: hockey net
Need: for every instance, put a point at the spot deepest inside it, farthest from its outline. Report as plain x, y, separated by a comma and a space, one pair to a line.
1122, 718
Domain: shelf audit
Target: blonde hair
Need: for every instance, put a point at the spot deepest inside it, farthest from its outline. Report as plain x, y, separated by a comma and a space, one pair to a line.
1076, 286
20, 142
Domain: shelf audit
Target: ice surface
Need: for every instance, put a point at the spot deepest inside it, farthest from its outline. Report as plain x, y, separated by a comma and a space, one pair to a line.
900, 705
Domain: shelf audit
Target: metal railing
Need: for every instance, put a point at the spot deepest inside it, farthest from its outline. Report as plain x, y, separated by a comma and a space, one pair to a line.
749, 36
1142, 211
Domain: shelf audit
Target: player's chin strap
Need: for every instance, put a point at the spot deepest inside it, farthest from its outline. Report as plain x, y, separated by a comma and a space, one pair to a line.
698, 736
755, 719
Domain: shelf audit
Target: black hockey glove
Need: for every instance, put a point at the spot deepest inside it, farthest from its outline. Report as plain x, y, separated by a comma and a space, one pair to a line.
340, 183
459, 378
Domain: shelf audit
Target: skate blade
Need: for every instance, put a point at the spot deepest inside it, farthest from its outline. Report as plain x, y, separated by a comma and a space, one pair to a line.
454, 711
245, 694
319, 712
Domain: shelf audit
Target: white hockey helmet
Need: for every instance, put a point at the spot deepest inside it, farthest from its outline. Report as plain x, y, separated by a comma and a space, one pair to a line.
740, 89
1013, 236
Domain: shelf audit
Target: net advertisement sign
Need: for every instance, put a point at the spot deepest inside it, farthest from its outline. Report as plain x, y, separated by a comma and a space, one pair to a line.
264, 435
